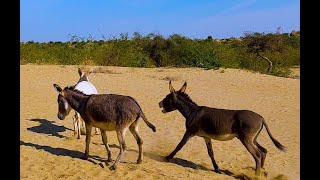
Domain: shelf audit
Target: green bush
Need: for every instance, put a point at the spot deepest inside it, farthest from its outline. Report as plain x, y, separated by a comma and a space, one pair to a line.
153, 50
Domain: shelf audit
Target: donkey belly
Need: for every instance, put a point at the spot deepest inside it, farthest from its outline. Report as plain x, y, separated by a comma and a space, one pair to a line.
219, 137
224, 137
106, 126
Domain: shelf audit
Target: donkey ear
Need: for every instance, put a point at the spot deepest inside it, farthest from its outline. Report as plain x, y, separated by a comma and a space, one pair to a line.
91, 71
183, 88
171, 88
73, 86
57, 87
80, 72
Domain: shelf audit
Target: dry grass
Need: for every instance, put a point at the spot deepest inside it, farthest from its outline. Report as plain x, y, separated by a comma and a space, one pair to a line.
170, 78
104, 70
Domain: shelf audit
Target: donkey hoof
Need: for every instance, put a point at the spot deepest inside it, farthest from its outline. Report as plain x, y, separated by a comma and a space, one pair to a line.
139, 161
217, 171
85, 157
112, 168
265, 173
167, 158
261, 173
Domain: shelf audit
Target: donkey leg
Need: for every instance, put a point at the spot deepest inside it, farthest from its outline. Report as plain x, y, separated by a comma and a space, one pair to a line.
120, 135
88, 138
134, 130
75, 126
79, 128
186, 137
263, 153
105, 142
261, 149
96, 131
210, 152
82, 126
248, 143
78, 124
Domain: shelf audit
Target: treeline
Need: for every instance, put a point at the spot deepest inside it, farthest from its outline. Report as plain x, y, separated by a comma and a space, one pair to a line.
254, 51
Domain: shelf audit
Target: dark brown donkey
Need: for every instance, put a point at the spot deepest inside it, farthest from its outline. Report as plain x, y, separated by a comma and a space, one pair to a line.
218, 124
108, 112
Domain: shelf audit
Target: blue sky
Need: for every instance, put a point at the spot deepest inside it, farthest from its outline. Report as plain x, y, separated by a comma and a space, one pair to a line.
53, 20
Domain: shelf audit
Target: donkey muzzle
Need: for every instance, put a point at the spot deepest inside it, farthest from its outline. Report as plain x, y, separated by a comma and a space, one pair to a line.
60, 116
160, 104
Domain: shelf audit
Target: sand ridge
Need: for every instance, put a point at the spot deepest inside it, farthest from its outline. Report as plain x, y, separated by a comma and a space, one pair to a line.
45, 153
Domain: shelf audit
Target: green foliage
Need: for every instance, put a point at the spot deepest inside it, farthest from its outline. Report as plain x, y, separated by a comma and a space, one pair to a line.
283, 51
193, 53
154, 50
281, 72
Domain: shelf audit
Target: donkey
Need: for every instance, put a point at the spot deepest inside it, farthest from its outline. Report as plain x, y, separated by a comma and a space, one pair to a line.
86, 87
218, 124
108, 112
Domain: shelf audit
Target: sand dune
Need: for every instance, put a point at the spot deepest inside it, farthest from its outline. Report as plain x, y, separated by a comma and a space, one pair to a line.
46, 153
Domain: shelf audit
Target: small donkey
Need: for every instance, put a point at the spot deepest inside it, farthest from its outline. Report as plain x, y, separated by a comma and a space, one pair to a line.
218, 124
85, 86
108, 112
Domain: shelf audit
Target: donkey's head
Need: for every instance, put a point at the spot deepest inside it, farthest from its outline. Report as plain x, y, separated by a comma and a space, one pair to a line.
63, 106
169, 102
84, 76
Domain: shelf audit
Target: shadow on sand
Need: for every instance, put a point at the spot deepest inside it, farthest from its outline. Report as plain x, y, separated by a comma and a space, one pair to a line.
185, 163
55, 151
66, 152
178, 161
150, 155
47, 127
94, 159
153, 156
189, 164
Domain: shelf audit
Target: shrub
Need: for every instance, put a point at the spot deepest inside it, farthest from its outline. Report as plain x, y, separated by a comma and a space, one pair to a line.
154, 50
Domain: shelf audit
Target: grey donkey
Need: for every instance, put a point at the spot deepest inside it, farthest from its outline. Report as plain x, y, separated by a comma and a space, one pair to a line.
85, 86
108, 112
218, 124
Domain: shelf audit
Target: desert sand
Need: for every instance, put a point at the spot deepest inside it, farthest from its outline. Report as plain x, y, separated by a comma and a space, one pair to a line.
47, 153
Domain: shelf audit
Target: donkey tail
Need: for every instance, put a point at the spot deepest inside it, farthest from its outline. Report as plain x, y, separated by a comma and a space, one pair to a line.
275, 142
144, 117
147, 122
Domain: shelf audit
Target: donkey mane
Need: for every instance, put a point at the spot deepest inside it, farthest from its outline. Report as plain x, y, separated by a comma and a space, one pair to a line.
187, 97
75, 90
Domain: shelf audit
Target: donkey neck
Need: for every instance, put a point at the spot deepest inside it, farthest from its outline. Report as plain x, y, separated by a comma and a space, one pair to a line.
186, 106
83, 78
76, 99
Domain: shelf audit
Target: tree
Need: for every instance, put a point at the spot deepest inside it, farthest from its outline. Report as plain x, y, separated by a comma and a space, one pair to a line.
137, 35
258, 43
156, 46
124, 36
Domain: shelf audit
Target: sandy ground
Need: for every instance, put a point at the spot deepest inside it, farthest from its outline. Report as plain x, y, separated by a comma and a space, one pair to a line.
46, 153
